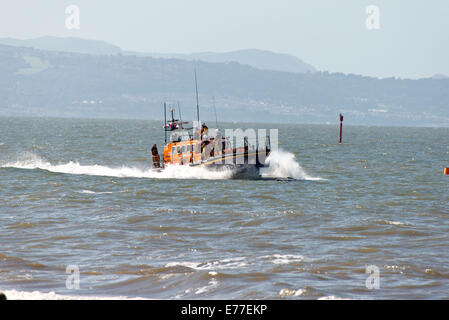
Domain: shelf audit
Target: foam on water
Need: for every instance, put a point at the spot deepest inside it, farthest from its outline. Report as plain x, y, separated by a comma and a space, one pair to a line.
38, 295
238, 262
284, 258
230, 263
281, 165
395, 223
332, 298
290, 292
93, 192
72, 167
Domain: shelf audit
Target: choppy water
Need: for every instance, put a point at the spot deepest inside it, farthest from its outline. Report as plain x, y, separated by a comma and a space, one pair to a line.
81, 192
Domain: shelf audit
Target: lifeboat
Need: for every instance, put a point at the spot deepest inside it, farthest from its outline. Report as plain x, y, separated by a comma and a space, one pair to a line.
195, 147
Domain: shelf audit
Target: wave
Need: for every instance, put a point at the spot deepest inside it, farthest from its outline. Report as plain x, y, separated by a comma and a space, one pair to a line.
281, 165
239, 262
230, 263
38, 295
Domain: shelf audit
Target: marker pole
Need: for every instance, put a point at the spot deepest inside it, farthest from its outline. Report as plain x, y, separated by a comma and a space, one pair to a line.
341, 127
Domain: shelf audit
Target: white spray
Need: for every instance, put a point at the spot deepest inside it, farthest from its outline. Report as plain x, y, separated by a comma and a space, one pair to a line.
281, 165
170, 172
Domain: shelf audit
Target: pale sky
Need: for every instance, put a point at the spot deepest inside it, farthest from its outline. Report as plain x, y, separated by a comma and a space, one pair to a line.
412, 42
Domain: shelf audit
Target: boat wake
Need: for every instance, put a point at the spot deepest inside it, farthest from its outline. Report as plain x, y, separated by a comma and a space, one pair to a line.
282, 165
31, 161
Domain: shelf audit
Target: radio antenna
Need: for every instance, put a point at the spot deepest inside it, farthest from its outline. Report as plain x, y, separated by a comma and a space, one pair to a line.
165, 121
215, 110
197, 101
180, 117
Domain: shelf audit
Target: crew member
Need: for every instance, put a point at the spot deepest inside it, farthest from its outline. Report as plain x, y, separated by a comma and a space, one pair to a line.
156, 157
204, 129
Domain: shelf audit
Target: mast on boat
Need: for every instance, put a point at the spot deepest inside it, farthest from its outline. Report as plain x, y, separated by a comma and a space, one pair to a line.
165, 121
197, 100
215, 111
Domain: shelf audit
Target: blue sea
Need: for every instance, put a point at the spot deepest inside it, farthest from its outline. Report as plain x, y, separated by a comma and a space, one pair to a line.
84, 216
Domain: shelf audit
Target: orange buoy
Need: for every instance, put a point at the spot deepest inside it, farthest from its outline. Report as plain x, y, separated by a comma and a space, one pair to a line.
446, 171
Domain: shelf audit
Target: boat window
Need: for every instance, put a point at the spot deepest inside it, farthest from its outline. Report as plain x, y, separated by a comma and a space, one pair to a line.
183, 149
188, 148
173, 149
179, 149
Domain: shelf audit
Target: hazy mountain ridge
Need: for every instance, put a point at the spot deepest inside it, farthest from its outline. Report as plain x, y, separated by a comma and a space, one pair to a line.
69, 44
261, 59
439, 76
82, 85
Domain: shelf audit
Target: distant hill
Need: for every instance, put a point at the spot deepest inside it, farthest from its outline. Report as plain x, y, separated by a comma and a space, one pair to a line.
36, 82
439, 76
69, 44
256, 58
260, 59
